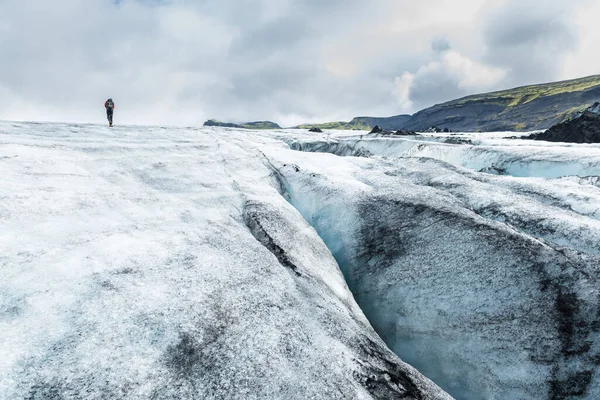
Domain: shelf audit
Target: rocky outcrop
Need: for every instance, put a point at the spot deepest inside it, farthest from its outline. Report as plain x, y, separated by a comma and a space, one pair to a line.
585, 128
315, 130
377, 129
458, 140
246, 125
400, 132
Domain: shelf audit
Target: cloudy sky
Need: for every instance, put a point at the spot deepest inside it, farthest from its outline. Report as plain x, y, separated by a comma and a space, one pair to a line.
180, 62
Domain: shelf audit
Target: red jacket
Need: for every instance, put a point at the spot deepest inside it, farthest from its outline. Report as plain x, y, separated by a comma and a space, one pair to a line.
113, 105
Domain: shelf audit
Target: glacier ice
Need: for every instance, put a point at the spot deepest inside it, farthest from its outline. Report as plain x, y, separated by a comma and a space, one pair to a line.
523, 158
487, 284
155, 263
165, 262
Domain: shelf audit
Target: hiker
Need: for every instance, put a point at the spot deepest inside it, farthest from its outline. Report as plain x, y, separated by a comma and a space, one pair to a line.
110, 108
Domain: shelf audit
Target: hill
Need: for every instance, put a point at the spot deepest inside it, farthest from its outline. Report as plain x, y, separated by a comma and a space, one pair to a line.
526, 108
362, 123
354, 125
246, 125
390, 123
520, 109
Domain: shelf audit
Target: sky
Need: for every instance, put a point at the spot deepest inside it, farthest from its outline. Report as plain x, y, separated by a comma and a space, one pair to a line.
180, 62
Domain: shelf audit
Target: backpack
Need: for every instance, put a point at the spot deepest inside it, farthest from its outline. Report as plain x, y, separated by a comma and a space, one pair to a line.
110, 104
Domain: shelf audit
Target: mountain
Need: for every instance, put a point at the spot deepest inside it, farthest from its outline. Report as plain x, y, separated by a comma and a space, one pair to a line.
524, 108
390, 123
354, 125
246, 125
213, 122
363, 123
261, 125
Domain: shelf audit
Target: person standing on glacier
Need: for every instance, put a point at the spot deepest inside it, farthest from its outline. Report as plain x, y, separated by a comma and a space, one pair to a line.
110, 108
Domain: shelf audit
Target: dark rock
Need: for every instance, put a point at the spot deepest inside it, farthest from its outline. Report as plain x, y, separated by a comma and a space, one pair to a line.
455, 140
377, 129
315, 130
494, 170
584, 128
253, 223
400, 132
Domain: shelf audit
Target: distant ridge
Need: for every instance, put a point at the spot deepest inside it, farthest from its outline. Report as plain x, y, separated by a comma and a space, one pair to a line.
525, 108
362, 123
246, 125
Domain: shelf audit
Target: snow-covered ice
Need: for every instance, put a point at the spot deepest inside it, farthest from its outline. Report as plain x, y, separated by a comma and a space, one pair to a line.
150, 262
163, 263
485, 153
487, 284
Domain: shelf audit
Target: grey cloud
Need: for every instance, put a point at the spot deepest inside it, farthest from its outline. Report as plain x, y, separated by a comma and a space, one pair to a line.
182, 61
530, 39
435, 88
527, 39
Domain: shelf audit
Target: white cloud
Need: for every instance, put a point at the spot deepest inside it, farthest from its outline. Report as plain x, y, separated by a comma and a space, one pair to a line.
452, 75
585, 57
470, 75
402, 91
182, 61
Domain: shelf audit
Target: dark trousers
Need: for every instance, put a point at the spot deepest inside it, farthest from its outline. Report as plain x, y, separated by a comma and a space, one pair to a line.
109, 114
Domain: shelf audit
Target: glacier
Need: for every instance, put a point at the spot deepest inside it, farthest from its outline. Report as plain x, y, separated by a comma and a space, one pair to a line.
161, 262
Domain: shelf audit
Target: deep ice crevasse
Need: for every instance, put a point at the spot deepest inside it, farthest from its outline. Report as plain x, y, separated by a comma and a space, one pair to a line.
129, 272
482, 308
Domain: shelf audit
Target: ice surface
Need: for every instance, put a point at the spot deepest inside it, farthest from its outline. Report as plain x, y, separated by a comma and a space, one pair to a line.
487, 284
154, 262
519, 158
163, 263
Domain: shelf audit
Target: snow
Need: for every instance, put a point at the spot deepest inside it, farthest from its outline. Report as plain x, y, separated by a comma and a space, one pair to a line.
164, 262
133, 267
